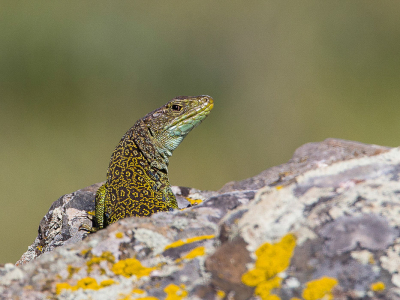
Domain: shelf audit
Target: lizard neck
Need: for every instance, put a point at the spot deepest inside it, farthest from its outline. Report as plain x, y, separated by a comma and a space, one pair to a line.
156, 153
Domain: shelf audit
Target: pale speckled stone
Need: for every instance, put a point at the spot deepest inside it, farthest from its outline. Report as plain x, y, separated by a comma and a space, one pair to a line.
362, 256
340, 199
153, 240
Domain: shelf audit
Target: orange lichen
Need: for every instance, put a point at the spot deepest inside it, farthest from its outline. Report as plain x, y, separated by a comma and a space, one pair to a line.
188, 241
320, 289
175, 292
129, 267
271, 260
378, 286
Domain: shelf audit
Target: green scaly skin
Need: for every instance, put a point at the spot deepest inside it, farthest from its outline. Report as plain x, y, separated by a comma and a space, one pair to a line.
137, 177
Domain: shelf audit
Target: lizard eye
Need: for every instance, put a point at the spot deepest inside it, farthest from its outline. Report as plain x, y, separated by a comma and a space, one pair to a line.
176, 107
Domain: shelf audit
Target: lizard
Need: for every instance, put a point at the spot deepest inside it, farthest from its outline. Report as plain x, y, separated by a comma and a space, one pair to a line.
137, 177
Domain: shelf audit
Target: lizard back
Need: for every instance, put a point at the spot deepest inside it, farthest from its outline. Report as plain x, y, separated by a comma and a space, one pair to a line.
134, 187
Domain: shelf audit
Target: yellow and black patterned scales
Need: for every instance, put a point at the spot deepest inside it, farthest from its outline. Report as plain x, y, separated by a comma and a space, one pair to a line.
137, 177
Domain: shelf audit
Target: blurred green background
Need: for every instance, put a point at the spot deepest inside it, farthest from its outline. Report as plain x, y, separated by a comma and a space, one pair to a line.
75, 75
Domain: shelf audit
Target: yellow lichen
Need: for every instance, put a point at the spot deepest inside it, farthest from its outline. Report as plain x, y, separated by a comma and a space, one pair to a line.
72, 270
295, 298
87, 283
95, 260
371, 260
320, 289
275, 258
272, 297
128, 297
254, 277
198, 251
264, 288
125, 297
175, 292
83, 252
271, 260
278, 187
220, 294
188, 241
84, 283
194, 201
378, 286
129, 267
138, 291
156, 285
63, 286
108, 256
107, 282
119, 235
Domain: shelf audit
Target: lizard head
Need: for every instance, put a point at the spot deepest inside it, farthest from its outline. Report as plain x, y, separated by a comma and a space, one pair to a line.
161, 131
169, 124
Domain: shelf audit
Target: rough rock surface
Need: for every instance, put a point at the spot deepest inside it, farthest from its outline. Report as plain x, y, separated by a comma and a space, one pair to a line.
60, 226
323, 226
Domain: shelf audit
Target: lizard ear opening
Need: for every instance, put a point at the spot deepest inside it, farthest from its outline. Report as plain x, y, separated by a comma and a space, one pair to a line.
150, 132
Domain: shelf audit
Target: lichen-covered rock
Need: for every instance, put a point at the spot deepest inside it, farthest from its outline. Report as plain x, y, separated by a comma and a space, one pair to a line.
61, 225
323, 226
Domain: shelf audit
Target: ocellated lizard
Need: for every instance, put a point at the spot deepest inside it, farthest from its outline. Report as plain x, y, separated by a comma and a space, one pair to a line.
137, 177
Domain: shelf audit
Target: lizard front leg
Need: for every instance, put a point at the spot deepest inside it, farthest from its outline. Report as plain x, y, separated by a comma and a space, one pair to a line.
99, 221
169, 198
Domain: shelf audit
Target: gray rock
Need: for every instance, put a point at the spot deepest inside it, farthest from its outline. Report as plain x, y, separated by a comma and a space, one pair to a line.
326, 224
307, 157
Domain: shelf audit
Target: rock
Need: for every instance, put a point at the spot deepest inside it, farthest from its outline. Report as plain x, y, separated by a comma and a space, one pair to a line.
60, 226
307, 157
323, 225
